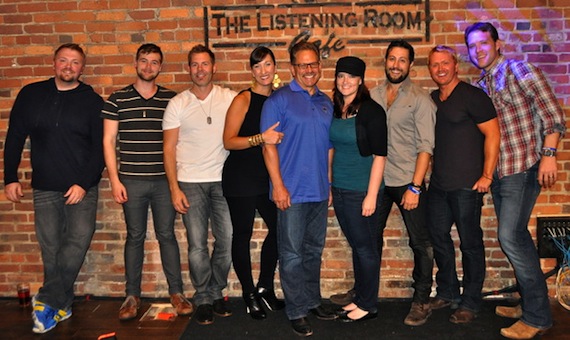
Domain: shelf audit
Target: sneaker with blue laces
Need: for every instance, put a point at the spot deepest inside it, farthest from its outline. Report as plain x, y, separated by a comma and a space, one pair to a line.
44, 317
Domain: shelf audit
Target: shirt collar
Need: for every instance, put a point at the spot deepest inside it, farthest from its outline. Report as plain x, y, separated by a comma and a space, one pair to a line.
404, 86
295, 87
494, 69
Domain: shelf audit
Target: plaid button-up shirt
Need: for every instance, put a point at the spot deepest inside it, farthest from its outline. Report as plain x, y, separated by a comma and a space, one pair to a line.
527, 111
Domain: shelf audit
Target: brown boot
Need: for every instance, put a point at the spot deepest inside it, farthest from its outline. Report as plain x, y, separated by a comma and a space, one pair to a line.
129, 308
521, 330
418, 315
462, 316
183, 306
343, 299
514, 312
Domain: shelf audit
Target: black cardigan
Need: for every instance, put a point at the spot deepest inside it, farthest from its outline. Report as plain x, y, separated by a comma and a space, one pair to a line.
371, 129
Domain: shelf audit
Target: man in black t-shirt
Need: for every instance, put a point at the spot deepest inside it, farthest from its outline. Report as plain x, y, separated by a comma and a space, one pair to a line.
465, 156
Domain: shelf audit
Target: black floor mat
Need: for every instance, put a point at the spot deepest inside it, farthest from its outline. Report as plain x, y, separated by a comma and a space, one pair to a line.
388, 325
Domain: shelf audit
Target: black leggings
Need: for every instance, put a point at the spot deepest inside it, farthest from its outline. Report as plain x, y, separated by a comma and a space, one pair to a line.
242, 211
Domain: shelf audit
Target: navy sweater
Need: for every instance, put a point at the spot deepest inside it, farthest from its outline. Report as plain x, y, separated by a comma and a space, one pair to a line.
65, 131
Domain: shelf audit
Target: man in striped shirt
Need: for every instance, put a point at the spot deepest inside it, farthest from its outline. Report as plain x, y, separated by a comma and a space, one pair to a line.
133, 117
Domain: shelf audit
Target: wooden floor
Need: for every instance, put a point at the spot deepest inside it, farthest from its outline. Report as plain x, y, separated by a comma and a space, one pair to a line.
93, 317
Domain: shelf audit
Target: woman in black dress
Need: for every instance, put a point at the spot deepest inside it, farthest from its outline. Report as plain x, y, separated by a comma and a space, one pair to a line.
245, 182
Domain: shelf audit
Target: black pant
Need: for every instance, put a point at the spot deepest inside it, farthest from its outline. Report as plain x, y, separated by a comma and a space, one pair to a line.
242, 211
416, 225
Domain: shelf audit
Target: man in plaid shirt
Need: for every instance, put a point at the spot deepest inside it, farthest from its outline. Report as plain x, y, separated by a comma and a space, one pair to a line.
531, 123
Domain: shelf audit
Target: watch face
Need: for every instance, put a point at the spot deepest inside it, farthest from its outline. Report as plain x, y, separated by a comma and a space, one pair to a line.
548, 152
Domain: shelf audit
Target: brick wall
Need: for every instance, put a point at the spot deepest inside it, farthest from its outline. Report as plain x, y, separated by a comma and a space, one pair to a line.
111, 31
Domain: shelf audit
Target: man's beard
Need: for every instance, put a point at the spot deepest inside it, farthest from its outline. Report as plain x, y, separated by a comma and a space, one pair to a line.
398, 80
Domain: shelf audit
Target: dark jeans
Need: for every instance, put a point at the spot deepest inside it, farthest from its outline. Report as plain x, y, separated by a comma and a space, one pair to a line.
64, 233
301, 231
360, 232
156, 194
415, 221
209, 276
514, 197
462, 207
242, 212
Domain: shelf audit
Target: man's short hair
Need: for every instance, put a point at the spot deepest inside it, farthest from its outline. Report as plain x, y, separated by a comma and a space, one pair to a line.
149, 48
403, 44
71, 46
201, 49
483, 27
303, 46
444, 49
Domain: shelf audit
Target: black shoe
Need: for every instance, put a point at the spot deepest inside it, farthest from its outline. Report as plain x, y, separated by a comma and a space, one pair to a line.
345, 318
323, 313
221, 308
267, 296
254, 308
343, 299
204, 314
342, 312
302, 327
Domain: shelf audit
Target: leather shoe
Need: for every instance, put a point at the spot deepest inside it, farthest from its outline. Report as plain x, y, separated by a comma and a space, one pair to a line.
514, 312
520, 330
462, 316
302, 327
439, 303
182, 305
221, 308
253, 306
341, 312
418, 315
129, 308
346, 318
204, 314
323, 313
343, 299
267, 296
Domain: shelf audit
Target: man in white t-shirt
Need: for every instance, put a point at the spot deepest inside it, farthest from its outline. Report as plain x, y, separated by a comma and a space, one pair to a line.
194, 156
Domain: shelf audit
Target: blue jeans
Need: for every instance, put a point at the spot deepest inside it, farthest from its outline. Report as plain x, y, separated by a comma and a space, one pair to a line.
64, 233
361, 233
301, 231
514, 198
415, 221
462, 207
156, 194
209, 276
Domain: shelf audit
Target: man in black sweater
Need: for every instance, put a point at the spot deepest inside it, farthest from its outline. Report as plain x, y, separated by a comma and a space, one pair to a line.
61, 117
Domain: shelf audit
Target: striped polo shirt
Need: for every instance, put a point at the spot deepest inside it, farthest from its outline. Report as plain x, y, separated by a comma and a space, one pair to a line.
140, 130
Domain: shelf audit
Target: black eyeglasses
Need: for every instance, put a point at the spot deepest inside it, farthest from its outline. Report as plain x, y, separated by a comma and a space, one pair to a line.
305, 66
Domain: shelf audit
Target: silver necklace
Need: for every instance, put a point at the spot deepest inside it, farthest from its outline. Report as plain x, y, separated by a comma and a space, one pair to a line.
208, 115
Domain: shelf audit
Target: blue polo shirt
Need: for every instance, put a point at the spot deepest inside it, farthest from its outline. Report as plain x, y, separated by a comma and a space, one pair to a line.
303, 153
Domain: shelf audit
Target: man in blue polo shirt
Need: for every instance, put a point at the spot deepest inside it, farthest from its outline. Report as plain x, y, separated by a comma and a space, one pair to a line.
298, 168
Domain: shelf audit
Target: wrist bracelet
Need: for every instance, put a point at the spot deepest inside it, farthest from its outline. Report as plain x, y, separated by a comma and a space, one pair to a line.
415, 185
255, 140
414, 190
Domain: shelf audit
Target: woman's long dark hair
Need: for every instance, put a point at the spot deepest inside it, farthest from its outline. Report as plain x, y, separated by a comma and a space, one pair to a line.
362, 94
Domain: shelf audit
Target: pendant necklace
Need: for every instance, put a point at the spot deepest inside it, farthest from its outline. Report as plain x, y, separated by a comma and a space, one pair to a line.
208, 115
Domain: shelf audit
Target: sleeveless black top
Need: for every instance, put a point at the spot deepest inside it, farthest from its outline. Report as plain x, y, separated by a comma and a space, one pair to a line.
244, 172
